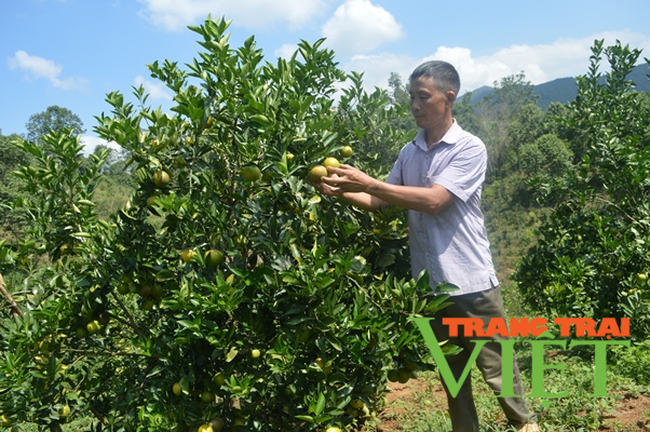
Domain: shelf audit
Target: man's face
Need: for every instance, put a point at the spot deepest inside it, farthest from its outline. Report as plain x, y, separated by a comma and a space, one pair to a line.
428, 104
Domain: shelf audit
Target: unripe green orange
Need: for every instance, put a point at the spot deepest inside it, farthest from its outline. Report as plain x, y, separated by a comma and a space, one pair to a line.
251, 173
161, 179
213, 258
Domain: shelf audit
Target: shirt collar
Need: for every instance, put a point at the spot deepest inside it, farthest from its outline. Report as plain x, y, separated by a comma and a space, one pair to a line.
451, 137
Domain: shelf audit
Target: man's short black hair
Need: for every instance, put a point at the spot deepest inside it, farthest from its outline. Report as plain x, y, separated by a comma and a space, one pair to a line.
443, 74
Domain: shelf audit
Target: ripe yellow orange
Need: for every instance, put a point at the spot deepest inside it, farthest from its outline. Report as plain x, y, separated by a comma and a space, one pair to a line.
316, 173
188, 255
255, 353
331, 162
176, 389
93, 327
333, 429
64, 411
205, 428
347, 151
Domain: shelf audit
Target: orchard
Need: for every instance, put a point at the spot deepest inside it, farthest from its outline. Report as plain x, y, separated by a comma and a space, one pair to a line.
226, 294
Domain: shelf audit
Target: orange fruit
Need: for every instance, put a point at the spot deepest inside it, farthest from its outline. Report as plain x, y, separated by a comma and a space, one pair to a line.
251, 173
347, 151
316, 173
213, 258
161, 179
331, 162
188, 255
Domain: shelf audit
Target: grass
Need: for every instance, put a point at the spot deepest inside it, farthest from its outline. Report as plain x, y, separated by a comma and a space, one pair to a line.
423, 408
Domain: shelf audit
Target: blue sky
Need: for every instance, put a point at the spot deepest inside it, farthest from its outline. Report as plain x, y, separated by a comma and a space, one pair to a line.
71, 53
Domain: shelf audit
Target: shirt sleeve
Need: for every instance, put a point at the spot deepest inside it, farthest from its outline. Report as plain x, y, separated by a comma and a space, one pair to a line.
465, 173
395, 176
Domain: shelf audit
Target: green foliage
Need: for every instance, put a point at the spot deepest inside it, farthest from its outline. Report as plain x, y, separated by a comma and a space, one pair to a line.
12, 223
120, 311
54, 118
591, 259
495, 114
547, 155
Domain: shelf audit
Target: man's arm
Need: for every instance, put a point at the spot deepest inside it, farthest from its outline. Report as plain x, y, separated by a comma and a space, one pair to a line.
369, 193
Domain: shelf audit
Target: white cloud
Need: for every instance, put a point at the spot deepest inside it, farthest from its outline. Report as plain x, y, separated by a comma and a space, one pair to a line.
286, 51
155, 90
90, 142
255, 14
377, 68
38, 67
564, 57
358, 27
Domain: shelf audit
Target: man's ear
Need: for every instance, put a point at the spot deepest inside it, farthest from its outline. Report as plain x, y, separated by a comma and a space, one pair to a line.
451, 98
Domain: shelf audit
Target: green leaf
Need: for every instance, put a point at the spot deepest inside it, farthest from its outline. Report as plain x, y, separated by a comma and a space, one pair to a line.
231, 354
320, 405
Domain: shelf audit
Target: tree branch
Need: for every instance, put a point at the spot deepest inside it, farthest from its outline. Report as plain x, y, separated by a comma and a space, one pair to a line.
15, 310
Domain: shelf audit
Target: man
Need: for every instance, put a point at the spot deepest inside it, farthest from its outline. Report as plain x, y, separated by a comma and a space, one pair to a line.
438, 177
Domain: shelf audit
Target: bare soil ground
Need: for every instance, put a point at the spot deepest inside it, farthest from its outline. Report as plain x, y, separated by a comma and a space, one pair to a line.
632, 413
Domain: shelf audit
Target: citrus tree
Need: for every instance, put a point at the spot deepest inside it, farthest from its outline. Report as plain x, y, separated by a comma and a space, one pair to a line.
226, 293
591, 259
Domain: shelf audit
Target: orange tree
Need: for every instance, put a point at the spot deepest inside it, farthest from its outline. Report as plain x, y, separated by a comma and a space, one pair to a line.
591, 258
226, 293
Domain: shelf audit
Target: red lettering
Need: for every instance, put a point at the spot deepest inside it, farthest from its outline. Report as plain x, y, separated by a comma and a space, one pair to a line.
585, 326
453, 324
625, 327
608, 327
472, 326
497, 326
519, 327
565, 325
538, 326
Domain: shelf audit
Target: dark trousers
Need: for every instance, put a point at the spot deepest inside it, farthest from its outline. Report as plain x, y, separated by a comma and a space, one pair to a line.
462, 411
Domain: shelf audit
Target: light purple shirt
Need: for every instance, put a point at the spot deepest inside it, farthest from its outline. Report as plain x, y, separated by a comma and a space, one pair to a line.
452, 245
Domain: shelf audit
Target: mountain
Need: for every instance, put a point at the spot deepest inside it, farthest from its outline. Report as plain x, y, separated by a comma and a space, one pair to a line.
564, 90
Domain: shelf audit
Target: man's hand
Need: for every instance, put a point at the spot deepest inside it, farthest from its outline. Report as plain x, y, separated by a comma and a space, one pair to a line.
347, 178
350, 183
326, 189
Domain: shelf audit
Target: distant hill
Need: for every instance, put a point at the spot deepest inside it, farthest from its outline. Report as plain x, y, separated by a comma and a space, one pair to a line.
564, 90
